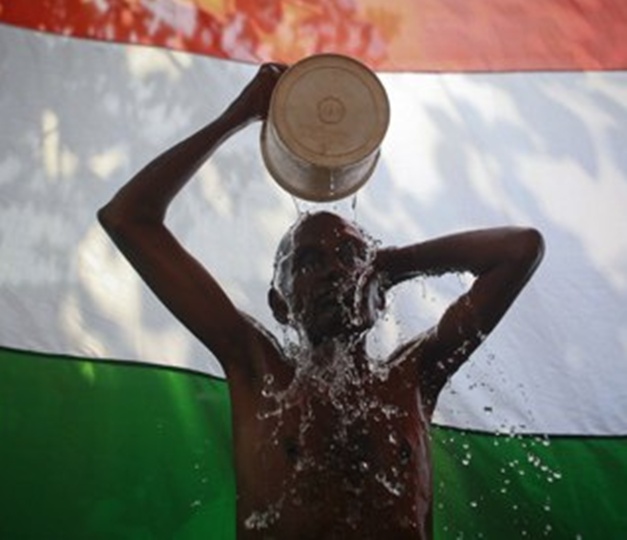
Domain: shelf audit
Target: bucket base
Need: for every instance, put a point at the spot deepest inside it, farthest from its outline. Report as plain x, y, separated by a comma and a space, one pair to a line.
311, 182
327, 118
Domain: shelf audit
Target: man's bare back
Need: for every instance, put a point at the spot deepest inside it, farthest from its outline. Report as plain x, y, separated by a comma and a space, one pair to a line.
327, 442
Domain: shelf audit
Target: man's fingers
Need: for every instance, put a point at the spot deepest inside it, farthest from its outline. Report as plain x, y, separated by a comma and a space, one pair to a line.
274, 68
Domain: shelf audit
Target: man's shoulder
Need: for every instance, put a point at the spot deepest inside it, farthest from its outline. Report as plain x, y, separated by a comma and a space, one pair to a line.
412, 352
261, 334
263, 350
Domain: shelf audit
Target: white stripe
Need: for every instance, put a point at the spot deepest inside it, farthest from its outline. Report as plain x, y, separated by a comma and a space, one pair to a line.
463, 151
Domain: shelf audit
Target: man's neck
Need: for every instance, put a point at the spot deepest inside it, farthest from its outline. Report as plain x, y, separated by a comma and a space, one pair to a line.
328, 352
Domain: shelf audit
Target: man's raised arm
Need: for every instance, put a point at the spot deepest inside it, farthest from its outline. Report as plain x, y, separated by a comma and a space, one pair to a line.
134, 219
502, 259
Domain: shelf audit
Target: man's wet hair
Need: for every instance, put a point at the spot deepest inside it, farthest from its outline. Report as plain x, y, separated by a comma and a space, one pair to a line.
309, 219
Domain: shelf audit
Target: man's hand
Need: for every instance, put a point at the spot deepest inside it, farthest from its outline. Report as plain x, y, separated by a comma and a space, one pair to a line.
254, 101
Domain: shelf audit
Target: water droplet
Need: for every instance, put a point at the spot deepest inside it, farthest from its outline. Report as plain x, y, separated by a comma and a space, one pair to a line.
395, 488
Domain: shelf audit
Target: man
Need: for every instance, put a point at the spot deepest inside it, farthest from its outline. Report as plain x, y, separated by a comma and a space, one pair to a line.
328, 444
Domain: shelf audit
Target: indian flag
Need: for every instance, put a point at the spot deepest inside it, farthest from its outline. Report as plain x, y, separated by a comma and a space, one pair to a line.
114, 422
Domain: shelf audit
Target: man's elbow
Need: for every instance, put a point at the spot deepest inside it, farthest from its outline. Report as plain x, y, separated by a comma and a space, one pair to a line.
529, 248
110, 219
127, 228
117, 223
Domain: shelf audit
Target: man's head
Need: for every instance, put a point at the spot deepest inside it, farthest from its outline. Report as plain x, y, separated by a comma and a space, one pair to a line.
324, 282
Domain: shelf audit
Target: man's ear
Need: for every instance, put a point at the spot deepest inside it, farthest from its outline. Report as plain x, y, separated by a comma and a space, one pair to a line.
278, 306
380, 299
379, 294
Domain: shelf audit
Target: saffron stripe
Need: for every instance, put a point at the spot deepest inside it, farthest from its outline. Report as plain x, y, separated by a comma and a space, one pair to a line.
421, 35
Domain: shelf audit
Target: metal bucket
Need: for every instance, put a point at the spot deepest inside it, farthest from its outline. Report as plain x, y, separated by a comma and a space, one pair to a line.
328, 116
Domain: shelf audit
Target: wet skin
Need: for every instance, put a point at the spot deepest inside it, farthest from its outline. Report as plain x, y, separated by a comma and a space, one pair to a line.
325, 283
355, 465
338, 446
326, 446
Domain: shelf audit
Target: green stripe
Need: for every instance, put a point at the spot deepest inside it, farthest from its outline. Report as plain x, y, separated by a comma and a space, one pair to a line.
97, 450
529, 487
109, 450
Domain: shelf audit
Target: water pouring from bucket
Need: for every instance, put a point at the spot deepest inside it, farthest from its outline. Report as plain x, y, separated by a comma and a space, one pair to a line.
327, 118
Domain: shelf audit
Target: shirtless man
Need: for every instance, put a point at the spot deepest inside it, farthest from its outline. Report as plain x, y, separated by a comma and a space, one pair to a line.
327, 443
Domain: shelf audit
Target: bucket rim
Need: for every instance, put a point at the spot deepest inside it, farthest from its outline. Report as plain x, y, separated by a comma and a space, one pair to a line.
277, 114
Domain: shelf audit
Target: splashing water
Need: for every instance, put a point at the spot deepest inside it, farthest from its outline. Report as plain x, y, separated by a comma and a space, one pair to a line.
346, 207
341, 384
259, 519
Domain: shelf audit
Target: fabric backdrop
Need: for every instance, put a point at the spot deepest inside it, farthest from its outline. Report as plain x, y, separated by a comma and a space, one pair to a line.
114, 422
